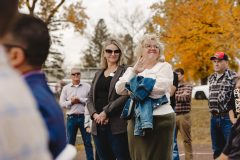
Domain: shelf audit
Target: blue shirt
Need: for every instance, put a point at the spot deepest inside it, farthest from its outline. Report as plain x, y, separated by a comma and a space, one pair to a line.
50, 111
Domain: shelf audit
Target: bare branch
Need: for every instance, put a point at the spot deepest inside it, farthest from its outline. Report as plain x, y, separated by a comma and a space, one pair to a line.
31, 8
54, 11
131, 23
28, 5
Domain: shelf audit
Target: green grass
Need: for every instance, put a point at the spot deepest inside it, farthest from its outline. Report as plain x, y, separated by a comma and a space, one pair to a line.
200, 118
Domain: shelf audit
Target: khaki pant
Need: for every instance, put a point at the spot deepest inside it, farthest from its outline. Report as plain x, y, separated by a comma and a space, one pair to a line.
157, 143
183, 124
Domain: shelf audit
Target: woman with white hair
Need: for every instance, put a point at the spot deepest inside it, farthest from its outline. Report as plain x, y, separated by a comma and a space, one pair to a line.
150, 129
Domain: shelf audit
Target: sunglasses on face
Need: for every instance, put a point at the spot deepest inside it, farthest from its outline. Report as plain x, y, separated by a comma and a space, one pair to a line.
75, 74
109, 51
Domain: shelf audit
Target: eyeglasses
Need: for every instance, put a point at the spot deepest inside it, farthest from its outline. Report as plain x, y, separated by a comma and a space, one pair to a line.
148, 46
75, 74
109, 51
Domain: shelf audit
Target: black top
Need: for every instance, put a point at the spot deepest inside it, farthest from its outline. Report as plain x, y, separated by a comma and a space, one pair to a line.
116, 102
175, 83
232, 148
102, 88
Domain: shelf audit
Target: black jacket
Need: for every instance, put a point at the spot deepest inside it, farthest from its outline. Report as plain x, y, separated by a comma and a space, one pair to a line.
115, 106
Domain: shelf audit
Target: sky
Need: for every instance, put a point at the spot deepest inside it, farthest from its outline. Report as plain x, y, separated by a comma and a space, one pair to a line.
75, 44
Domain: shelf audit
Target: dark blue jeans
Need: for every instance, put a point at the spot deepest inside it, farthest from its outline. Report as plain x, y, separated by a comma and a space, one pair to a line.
75, 122
220, 130
109, 146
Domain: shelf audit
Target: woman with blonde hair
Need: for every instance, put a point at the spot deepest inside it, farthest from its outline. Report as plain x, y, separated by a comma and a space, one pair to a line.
105, 105
151, 126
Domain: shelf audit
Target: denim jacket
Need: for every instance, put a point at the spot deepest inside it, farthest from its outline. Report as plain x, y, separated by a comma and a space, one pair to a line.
139, 102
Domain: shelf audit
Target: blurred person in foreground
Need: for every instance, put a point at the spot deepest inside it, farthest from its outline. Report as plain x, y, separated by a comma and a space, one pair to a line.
27, 44
73, 98
221, 84
105, 105
23, 135
151, 125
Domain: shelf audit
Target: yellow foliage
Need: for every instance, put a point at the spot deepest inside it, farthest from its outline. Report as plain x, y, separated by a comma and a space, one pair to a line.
76, 15
57, 12
192, 31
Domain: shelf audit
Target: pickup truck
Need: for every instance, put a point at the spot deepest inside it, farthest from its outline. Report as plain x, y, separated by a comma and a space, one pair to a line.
200, 92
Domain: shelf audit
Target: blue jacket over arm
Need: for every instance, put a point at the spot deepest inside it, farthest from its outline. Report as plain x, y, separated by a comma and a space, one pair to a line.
143, 105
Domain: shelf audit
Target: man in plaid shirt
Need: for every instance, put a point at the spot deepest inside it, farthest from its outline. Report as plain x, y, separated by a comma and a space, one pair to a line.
221, 84
182, 109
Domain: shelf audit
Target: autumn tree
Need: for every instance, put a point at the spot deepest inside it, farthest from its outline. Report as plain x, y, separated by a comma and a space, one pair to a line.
193, 30
92, 56
57, 14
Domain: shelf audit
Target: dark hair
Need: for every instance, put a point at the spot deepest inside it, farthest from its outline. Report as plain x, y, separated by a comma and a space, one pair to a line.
8, 9
33, 33
180, 70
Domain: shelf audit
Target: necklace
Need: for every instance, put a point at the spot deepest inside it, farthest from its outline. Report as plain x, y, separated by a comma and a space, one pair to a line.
110, 72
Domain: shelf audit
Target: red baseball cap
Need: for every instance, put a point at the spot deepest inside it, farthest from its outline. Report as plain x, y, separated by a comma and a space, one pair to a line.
219, 56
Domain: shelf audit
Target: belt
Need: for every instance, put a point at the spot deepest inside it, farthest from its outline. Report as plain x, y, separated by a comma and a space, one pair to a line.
75, 115
181, 113
217, 114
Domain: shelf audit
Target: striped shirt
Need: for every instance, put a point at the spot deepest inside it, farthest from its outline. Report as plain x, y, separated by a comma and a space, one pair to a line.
183, 98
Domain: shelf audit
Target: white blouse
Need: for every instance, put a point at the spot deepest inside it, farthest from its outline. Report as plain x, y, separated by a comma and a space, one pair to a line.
163, 74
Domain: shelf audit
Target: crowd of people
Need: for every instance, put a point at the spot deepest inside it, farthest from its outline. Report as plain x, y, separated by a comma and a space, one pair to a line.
130, 112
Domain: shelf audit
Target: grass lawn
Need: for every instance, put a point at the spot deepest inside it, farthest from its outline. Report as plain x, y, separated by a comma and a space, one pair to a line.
200, 118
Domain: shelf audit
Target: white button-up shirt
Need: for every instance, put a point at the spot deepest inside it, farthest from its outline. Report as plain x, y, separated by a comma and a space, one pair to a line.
80, 91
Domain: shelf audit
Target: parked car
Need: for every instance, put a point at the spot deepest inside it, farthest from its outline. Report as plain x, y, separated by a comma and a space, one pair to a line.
200, 92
